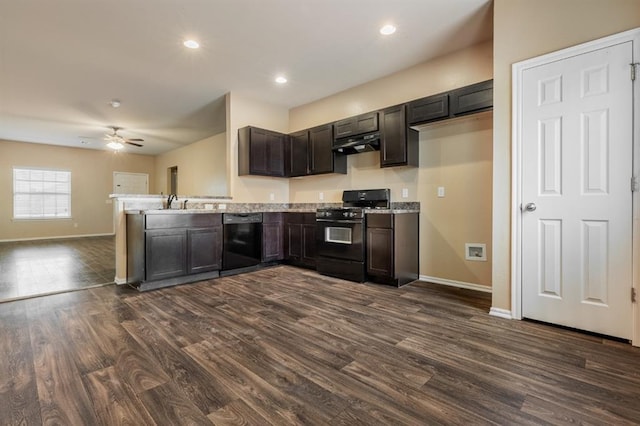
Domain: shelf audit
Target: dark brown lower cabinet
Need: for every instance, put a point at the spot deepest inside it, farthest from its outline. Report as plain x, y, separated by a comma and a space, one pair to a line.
392, 248
272, 237
205, 249
170, 249
300, 239
166, 253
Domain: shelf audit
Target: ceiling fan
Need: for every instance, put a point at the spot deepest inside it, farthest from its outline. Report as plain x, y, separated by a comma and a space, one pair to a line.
117, 142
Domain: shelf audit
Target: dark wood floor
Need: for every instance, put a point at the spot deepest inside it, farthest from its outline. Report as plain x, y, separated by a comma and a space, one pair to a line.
287, 346
32, 268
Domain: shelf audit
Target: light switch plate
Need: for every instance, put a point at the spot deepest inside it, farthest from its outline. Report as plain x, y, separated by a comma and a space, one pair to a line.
321, 196
405, 193
440, 191
272, 196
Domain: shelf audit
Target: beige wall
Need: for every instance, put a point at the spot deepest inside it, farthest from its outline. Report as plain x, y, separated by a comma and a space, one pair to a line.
524, 29
448, 72
202, 167
241, 112
92, 182
456, 156
457, 153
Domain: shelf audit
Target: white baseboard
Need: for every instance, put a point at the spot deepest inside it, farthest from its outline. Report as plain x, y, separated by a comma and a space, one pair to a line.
120, 281
453, 283
500, 313
110, 234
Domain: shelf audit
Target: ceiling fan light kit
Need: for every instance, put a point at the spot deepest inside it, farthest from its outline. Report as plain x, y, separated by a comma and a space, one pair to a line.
117, 142
117, 146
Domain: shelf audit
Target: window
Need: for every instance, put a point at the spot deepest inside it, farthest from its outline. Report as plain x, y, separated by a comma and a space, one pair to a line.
41, 194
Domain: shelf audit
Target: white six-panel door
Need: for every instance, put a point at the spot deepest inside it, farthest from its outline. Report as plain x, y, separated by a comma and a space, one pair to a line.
577, 160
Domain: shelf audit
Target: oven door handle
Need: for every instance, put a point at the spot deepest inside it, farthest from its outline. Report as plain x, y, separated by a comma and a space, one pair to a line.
338, 222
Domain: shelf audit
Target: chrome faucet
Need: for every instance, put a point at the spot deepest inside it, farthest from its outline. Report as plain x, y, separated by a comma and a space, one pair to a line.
170, 200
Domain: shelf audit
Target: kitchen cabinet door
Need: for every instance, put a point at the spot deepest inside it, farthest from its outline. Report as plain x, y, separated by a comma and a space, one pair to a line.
321, 157
275, 154
358, 125
205, 249
428, 109
165, 253
261, 152
398, 143
293, 242
300, 239
380, 252
272, 237
309, 244
298, 159
471, 99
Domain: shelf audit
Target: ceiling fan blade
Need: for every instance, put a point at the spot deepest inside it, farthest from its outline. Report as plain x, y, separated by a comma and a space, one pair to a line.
136, 140
133, 143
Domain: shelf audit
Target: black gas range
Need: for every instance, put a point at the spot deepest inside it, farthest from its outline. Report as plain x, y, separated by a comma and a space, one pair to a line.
340, 233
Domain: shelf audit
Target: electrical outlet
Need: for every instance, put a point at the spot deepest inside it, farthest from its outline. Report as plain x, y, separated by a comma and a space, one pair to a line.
441, 192
222, 206
208, 206
272, 196
321, 196
405, 193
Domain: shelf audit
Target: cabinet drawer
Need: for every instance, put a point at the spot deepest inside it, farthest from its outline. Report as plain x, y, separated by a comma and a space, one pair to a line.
272, 217
200, 220
301, 218
377, 220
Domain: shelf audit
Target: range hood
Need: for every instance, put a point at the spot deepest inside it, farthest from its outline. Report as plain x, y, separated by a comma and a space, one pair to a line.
357, 144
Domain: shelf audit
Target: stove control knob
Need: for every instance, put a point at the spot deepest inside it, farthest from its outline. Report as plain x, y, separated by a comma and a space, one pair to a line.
345, 214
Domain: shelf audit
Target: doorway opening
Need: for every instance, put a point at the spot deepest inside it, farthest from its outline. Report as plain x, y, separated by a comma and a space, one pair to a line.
172, 179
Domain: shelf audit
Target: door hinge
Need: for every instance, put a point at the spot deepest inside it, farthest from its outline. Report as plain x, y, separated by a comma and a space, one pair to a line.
634, 67
634, 184
633, 295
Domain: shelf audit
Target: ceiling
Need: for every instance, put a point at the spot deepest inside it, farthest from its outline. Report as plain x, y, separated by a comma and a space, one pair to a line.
62, 62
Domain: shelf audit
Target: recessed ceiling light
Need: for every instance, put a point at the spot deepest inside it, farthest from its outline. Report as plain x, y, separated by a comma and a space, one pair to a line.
281, 79
115, 103
191, 44
387, 29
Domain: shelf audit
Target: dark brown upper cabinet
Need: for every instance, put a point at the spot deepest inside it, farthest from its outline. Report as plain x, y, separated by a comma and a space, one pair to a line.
321, 158
352, 126
398, 142
261, 152
471, 99
298, 158
310, 153
428, 109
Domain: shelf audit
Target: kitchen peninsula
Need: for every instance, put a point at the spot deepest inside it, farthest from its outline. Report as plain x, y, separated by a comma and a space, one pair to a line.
192, 238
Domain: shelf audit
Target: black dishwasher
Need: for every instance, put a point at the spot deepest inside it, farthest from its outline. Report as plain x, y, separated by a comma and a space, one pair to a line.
242, 240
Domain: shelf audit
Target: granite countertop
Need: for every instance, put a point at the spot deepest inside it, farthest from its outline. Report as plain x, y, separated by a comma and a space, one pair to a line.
143, 197
252, 210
